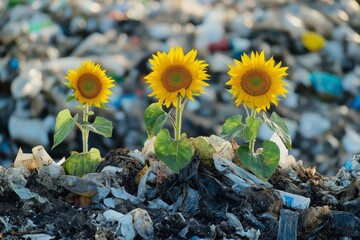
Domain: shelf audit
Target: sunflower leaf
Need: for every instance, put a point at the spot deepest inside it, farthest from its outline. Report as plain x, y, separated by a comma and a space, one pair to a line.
100, 126
175, 154
155, 118
68, 84
204, 149
70, 98
63, 126
103, 106
261, 164
79, 164
233, 127
252, 128
277, 124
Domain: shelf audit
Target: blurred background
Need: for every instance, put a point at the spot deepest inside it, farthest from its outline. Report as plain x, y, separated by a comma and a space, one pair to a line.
40, 40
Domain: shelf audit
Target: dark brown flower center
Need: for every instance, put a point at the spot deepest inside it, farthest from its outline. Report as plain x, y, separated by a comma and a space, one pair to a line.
255, 82
89, 86
175, 78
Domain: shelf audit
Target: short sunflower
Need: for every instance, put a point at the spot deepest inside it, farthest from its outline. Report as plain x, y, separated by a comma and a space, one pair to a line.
90, 83
175, 73
256, 82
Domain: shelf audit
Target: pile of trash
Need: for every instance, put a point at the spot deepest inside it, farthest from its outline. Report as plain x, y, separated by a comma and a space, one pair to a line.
319, 41
133, 195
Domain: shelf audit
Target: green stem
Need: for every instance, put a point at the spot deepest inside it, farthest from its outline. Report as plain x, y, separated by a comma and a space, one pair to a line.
246, 109
85, 132
252, 142
178, 118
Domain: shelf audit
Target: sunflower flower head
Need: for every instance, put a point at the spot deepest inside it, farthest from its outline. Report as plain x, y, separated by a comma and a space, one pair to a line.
175, 73
90, 84
255, 82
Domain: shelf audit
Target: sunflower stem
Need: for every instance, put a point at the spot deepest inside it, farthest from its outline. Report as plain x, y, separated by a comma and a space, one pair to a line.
85, 132
252, 142
246, 110
183, 104
178, 118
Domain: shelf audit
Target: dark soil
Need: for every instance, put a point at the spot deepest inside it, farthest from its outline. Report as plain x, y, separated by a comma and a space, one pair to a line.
256, 207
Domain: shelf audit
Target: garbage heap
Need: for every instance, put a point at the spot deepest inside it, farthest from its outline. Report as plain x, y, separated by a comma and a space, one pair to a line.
319, 41
133, 195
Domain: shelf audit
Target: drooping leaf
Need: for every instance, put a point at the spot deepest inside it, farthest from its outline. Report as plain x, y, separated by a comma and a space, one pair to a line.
261, 164
100, 126
233, 127
175, 154
79, 164
277, 124
155, 117
63, 126
204, 149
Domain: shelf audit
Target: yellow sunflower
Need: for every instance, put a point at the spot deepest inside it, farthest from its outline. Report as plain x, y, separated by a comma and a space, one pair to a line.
256, 82
90, 83
175, 73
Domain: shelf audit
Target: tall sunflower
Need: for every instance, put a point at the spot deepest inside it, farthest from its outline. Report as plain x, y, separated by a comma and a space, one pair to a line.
256, 82
90, 84
174, 73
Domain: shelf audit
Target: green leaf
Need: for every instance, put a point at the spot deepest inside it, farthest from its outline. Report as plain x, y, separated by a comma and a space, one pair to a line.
79, 164
204, 149
100, 126
252, 128
233, 127
155, 118
103, 106
68, 84
197, 92
261, 164
175, 154
277, 124
70, 98
63, 126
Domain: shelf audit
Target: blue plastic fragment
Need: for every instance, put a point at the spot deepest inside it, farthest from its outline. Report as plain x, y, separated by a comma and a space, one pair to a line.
14, 63
355, 104
326, 83
348, 164
288, 200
